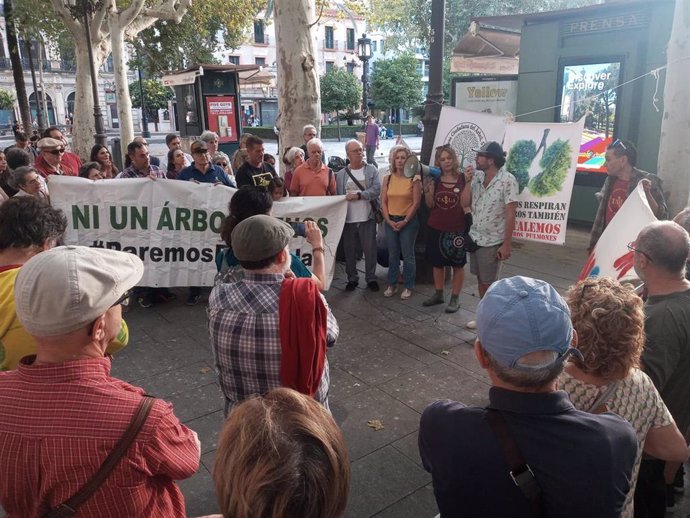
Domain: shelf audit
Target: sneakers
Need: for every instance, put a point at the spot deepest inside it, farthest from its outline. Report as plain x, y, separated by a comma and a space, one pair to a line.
453, 305
390, 291
472, 324
373, 286
406, 294
436, 298
351, 285
192, 300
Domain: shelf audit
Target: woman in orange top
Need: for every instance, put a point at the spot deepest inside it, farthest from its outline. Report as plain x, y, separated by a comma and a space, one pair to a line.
400, 198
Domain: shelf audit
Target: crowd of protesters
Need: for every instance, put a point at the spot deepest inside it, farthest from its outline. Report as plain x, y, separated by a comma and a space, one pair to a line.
616, 430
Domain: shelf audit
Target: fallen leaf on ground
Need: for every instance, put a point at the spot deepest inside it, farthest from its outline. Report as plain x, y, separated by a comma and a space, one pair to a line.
376, 424
204, 370
445, 353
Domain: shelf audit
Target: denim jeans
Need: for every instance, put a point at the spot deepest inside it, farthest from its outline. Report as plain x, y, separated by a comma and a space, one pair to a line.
402, 242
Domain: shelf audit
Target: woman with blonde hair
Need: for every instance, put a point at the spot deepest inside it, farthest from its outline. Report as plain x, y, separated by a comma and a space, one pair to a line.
446, 235
281, 455
400, 198
609, 322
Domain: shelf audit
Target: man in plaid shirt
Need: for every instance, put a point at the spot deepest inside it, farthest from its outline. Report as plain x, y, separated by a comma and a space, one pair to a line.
244, 315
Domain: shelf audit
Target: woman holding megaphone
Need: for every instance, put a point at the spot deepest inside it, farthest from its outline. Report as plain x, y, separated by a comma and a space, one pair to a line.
446, 233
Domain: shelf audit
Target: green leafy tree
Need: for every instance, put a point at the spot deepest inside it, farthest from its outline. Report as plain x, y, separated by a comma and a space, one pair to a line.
156, 96
6, 100
340, 90
408, 22
396, 84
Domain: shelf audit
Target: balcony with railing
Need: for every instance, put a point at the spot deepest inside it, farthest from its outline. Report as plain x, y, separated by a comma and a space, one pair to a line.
328, 44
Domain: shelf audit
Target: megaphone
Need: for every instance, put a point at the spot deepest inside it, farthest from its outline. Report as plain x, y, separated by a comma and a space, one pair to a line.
413, 168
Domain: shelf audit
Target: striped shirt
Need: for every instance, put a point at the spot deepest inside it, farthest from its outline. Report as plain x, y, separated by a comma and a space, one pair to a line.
58, 423
243, 324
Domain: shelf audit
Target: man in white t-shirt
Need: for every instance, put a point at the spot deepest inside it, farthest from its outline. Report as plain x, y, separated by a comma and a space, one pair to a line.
360, 225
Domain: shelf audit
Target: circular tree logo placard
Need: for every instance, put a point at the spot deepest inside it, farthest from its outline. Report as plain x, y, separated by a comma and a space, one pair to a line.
463, 138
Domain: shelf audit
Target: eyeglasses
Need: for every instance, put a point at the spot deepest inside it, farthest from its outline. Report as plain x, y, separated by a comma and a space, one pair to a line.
631, 247
200, 151
619, 143
56, 151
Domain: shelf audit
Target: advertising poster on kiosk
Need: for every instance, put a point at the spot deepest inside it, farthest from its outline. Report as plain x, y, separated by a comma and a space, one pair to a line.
222, 117
589, 91
496, 95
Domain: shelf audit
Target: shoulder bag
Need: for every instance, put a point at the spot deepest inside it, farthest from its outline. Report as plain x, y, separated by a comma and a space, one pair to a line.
378, 214
520, 472
69, 507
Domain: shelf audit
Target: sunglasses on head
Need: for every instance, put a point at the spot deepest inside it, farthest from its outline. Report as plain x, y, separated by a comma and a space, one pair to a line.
56, 151
619, 143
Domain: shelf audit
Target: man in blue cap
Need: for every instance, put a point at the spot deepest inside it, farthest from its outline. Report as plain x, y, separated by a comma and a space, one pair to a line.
530, 452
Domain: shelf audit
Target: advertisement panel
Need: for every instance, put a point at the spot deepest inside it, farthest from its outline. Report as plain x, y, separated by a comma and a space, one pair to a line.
589, 91
221, 117
497, 95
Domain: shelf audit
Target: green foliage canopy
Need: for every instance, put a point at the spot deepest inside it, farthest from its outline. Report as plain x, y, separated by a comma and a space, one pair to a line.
156, 96
6, 100
340, 90
395, 83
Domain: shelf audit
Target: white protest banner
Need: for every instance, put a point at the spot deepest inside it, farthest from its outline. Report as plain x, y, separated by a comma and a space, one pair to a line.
543, 159
467, 130
611, 257
174, 226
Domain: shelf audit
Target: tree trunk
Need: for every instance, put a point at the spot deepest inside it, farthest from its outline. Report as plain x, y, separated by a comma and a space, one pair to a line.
83, 125
674, 153
124, 102
299, 100
337, 121
17, 69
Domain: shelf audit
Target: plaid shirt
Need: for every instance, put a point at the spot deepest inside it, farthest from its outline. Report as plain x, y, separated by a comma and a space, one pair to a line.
243, 323
58, 423
132, 172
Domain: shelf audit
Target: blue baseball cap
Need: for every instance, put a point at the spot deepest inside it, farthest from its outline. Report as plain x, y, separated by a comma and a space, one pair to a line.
519, 316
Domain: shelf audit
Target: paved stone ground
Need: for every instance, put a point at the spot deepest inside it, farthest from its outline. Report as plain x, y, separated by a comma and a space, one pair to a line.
392, 359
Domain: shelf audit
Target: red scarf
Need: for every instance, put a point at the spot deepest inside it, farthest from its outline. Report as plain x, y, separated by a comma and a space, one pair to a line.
303, 320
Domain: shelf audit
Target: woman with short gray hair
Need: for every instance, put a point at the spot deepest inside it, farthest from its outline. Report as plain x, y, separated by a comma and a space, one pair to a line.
211, 139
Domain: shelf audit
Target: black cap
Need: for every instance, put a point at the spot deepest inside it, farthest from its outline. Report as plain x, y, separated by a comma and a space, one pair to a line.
492, 148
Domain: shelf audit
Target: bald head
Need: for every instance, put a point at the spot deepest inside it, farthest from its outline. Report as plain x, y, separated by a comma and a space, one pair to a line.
667, 244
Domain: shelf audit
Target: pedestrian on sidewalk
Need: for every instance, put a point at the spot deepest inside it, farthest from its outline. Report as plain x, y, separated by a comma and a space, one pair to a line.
372, 139
360, 184
400, 199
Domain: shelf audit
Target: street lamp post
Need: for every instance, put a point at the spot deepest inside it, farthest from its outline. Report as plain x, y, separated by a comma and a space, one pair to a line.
39, 113
364, 53
85, 9
144, 118
434, 98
